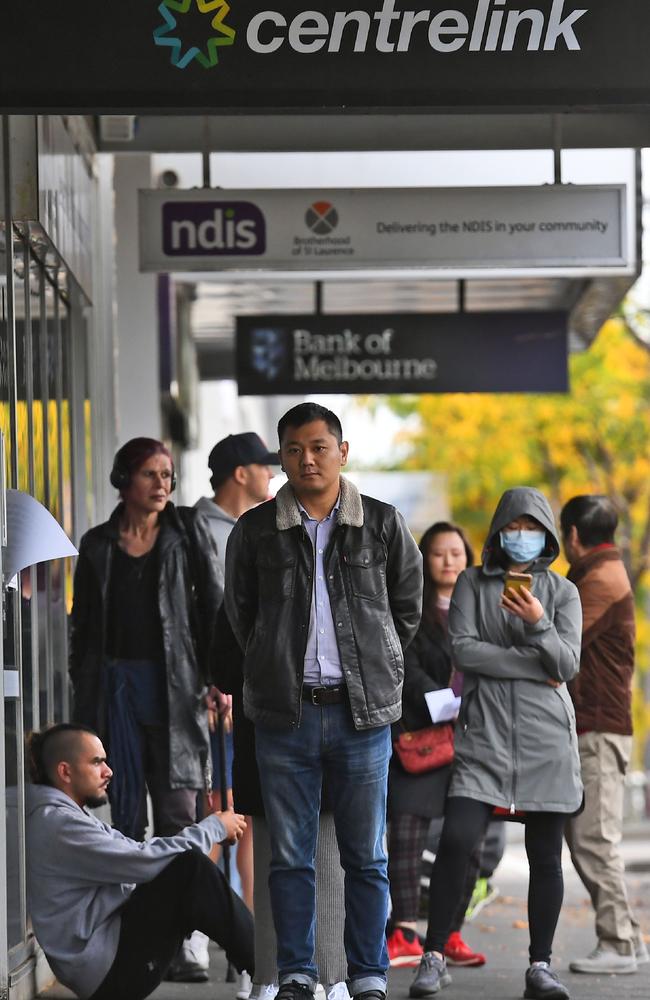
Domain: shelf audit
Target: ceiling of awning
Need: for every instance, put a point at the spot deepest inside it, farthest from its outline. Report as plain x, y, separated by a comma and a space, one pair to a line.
218, 303
219, 300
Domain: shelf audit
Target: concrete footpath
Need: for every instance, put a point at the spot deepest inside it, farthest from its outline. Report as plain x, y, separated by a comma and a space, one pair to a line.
501, 932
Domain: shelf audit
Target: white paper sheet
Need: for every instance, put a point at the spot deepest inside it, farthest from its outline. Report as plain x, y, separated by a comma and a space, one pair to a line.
443, 705
33, 535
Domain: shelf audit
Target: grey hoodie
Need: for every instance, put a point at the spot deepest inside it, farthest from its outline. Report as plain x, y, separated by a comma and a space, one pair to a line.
80, 871
221, 524
516, 743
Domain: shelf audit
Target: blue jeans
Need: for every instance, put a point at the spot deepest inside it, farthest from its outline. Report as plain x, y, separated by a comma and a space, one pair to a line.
354, 764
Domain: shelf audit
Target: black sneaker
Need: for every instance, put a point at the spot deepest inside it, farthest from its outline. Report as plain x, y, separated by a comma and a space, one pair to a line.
431, 976
295, 991
370, 995
542, 984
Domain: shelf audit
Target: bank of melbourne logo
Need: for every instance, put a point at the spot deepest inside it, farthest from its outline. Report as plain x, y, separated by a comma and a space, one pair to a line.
268, 352
217, 33
213, 229
322, 218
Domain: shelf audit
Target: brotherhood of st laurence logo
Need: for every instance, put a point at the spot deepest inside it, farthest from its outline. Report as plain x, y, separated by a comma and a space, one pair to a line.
170, 32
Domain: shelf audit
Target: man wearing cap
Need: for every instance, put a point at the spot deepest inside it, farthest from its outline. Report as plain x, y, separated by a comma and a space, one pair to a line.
240, 479
240, 468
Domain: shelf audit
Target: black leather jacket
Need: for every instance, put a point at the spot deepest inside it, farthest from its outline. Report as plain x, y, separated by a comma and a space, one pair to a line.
374, 579
189, 594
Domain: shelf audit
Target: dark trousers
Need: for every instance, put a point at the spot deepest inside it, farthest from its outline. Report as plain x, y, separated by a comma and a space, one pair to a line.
466, 821
406, 841
190, 894
173, 808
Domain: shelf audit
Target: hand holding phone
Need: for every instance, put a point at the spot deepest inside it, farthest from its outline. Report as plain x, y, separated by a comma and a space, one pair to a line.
518, 600
517, 581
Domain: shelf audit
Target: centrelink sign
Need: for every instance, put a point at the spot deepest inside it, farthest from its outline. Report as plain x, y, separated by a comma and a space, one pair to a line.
357, 56
494, 25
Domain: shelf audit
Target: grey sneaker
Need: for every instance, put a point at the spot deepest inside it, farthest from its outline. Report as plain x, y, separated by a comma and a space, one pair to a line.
542, 984
431, 976
605, 962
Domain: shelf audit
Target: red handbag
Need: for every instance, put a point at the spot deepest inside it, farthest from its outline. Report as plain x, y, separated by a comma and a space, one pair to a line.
425, 749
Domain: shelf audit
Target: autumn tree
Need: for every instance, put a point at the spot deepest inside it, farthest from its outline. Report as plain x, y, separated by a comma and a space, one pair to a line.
596, 439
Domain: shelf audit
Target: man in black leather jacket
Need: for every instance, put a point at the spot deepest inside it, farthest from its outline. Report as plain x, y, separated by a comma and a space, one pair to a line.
323, 591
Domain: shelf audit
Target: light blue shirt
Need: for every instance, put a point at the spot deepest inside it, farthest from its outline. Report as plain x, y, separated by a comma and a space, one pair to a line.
322, 660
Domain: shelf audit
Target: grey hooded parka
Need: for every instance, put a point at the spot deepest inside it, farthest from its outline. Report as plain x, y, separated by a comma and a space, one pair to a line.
516, 743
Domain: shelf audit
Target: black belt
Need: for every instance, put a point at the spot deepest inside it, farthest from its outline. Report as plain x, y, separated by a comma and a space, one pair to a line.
335, 694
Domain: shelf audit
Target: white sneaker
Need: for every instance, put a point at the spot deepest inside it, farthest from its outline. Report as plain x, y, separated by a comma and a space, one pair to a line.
319, 992
605, 962
338, 991
244, 986
263, 991
641, 952
197, 944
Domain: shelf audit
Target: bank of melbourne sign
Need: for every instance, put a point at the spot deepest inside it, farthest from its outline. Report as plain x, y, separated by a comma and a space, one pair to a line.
188, 55
578, 229
413, 353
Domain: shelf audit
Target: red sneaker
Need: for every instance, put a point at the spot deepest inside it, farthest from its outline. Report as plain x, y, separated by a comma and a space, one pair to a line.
404, 947
459, 953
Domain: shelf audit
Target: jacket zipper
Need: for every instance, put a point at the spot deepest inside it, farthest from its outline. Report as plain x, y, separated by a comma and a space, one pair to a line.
306, 538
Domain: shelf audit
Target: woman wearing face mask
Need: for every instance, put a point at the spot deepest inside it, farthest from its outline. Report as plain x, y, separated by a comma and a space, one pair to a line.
415, 799
516, 745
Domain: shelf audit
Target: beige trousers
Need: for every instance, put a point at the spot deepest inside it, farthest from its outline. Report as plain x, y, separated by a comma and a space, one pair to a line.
595, 835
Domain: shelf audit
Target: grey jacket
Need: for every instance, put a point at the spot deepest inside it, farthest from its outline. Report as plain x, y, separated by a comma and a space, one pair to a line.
374, 582
80, 871
516, 743
220, 524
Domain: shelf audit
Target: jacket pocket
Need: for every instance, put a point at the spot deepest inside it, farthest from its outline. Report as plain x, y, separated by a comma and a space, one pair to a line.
367, 569
277, 579
395, 650
568, 714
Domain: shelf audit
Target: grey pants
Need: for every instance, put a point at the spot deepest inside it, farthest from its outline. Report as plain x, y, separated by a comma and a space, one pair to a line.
330, 906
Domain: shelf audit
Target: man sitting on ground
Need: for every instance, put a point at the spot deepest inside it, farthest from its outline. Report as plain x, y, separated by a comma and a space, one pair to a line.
110, 912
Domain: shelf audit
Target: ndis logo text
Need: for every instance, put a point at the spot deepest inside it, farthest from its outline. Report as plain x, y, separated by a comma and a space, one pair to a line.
213, 229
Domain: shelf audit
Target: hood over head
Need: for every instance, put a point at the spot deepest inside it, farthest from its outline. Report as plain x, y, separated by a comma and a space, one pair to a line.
514, 503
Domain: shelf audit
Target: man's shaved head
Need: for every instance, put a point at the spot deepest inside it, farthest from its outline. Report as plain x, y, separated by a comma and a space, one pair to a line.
48, 748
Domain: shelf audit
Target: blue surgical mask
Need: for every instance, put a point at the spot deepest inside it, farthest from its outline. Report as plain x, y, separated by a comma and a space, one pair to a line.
522, 546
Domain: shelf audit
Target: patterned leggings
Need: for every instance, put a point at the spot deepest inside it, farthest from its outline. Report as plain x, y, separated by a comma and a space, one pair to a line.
406, 840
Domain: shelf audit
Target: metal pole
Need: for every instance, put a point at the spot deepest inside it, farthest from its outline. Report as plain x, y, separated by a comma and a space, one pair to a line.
231, 975
557, 149
205, 155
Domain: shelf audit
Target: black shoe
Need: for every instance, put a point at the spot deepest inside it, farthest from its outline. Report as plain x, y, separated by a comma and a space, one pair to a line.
542, 984
295, 991
370, 995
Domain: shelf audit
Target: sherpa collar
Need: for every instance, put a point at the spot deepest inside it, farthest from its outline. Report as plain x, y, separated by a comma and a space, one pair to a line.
287, 513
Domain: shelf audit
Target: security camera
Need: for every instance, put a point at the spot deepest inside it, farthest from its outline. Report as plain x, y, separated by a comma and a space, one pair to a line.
168, 179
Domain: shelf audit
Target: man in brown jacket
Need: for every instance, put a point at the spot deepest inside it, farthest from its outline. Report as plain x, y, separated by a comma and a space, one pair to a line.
602, 695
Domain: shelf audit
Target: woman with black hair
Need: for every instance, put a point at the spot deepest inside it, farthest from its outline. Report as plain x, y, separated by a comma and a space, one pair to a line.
516, 744
415, 799
147, 588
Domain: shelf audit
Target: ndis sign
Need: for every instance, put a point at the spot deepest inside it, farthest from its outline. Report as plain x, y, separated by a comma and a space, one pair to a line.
213, 228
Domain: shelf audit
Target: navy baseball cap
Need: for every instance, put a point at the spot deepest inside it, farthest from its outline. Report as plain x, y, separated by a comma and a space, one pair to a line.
239, 449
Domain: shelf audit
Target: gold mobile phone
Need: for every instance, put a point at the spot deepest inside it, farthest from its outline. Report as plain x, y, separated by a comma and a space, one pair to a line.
517, 581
